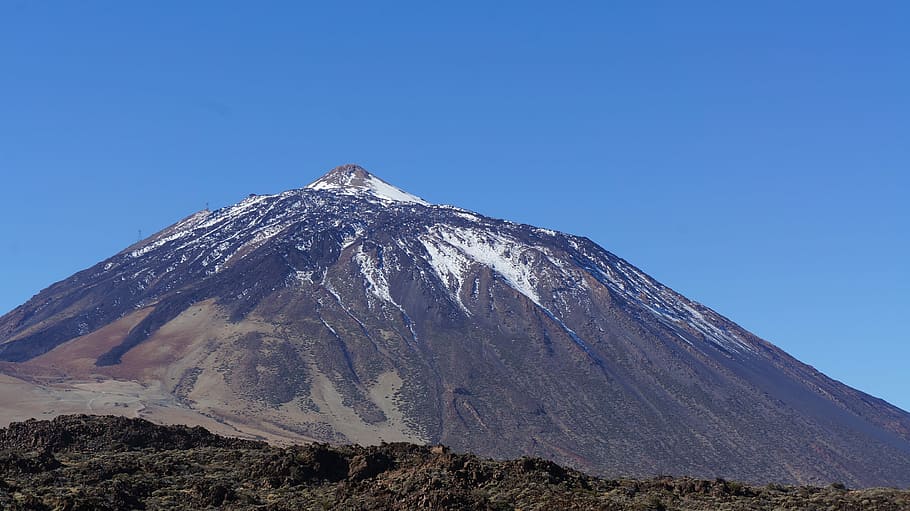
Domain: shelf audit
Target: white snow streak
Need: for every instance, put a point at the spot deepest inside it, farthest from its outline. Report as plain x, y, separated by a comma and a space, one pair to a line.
386, 191
375, 279
371, 185
452, 249
450, 264
378, 285
666, 304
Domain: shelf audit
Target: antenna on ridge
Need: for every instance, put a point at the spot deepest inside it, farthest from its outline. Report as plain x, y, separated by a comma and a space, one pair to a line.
140, 235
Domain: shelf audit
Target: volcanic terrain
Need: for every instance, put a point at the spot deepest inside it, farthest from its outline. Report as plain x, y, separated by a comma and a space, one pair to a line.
350, 311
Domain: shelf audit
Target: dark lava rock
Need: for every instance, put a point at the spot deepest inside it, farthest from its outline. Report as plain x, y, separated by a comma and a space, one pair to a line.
107, 463
85, 433
13, 462
365, 466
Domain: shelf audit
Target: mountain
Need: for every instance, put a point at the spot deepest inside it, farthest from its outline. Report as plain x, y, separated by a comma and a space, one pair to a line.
114, 463
352, 311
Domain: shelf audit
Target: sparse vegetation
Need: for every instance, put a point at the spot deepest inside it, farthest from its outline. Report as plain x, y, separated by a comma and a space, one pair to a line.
113, 463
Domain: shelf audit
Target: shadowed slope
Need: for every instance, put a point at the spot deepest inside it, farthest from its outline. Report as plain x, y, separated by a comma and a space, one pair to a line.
350, 311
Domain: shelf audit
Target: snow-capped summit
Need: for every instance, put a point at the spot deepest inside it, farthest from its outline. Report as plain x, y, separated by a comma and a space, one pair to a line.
351, 311
351, 179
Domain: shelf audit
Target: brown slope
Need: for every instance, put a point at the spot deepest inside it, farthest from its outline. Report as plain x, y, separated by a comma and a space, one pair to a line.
339, 316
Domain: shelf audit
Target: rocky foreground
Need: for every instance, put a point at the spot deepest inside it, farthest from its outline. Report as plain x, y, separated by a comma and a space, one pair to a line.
81, 462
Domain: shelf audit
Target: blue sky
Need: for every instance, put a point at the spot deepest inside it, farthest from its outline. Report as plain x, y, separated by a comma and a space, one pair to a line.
752, 156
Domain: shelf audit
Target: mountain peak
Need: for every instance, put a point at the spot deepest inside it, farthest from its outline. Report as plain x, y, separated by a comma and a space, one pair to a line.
349, 312
346, 175
352, 179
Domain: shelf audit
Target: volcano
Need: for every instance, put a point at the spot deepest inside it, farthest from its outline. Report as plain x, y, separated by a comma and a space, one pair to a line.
352, 311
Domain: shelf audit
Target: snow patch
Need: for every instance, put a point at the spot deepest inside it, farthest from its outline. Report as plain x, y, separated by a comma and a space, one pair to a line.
353, 184
549, 232
450, 264
383, 190
505, 256
375, 279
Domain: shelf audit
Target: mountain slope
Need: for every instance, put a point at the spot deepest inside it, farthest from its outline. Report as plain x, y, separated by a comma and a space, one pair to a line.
353, 311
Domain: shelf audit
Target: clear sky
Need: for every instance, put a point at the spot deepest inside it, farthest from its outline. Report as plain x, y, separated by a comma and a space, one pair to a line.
751, 155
